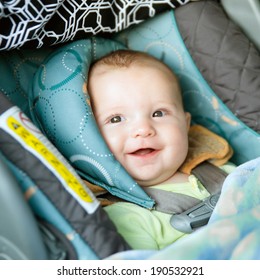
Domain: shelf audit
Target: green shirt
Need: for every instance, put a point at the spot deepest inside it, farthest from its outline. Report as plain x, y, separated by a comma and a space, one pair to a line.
151, 229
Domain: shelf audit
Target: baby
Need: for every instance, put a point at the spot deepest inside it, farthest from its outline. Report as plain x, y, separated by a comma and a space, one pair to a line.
137, 103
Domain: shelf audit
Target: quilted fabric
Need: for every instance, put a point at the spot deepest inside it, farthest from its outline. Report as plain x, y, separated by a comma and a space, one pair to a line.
225, 56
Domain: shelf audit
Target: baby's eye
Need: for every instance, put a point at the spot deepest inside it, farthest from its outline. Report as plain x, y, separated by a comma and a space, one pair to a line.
158, 114
116, 119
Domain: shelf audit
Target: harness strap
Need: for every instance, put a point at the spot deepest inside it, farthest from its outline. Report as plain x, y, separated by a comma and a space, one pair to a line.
204, 147
212, 178
171, 203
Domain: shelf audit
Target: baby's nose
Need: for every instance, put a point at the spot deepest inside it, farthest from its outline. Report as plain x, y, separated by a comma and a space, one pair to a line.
143, 129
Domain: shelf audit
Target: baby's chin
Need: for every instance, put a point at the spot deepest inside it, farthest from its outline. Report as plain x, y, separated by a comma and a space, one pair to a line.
152, 181
175, 177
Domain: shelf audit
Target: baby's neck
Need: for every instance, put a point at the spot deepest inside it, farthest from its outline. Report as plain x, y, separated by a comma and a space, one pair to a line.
178, 177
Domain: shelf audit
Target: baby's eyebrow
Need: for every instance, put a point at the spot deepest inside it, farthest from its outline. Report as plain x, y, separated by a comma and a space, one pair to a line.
173, 103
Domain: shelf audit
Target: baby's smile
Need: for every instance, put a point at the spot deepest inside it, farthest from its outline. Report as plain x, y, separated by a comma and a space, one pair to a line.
144, 154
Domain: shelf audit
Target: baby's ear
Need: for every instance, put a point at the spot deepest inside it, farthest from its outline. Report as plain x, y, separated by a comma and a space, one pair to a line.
188, 119
85, 91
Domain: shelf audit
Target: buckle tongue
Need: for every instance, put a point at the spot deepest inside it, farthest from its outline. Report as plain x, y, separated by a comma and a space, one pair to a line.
195, 217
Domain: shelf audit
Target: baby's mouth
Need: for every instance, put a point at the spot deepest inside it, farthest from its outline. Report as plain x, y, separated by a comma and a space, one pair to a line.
143, 152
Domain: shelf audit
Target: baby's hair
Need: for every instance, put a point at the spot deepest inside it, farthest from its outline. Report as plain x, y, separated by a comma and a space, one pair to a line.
125, 58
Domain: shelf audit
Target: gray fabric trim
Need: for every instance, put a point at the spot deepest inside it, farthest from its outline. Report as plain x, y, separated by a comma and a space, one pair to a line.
5, 104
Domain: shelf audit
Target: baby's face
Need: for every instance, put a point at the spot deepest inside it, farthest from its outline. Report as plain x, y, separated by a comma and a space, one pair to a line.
139, 113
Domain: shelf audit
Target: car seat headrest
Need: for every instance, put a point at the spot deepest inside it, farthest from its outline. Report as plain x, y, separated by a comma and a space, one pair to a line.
60, 109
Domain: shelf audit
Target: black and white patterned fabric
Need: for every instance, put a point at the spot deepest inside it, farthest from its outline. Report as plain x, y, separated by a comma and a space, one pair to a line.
36, 23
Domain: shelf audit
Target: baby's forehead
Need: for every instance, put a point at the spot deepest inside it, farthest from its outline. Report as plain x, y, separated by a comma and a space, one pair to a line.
142, 61
138, 63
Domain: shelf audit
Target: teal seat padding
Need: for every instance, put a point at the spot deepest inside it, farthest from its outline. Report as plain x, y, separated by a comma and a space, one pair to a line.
17, 69
160, 37
20, 238
59, 106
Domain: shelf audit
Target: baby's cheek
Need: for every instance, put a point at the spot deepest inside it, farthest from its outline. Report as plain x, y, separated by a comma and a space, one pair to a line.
114, 143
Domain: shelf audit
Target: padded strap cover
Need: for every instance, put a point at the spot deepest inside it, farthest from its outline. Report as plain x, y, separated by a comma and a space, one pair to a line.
32, 156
